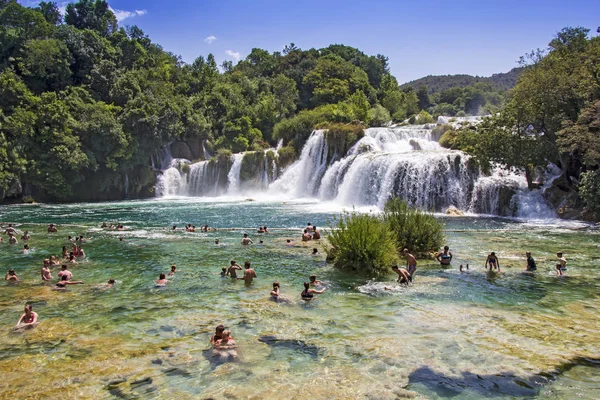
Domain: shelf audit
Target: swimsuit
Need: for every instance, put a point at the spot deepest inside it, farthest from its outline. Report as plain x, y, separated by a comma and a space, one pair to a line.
306, 295
531, 264
412, 269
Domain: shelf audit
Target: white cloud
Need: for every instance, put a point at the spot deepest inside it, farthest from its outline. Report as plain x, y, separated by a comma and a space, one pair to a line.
233, 54
123, 15
210, 39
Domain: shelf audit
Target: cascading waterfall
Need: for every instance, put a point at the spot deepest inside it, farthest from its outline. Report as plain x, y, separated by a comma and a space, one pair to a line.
233, 177
404, 162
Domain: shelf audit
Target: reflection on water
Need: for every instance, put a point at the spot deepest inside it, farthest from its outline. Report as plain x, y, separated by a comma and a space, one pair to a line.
472, 334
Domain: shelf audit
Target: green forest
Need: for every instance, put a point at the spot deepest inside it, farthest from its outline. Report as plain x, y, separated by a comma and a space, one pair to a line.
84, 102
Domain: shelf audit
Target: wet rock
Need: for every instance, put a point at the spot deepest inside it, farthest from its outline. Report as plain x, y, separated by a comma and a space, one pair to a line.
142, 382
293, 344
157, 361
166, 328
177, 372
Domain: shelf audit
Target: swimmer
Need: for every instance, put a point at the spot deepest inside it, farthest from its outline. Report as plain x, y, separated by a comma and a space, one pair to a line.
10, 230
65, 252
461, 268
265, 229
111, 282
174, 228
260, 230
308, 294
403, 275
246, 240
54, 261
11, 276
411, 262
120, 238
173, 268
226, 341
444, 257
316, 235
70, 239
530, 262
315, 252
25, 236
223, 272
64, 281
261, 242
561, 267
104, 225
52, 228
162, 280
72, 258
217, 242
249, 273
46, 274
492, 261
29, 319
313, 280
26, 248
111, 226
65, 272
289, 243
275, 291
218, 334
306, 236
233, 268
12, 239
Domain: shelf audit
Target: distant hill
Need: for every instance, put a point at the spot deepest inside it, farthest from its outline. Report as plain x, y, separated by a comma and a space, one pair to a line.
439, 83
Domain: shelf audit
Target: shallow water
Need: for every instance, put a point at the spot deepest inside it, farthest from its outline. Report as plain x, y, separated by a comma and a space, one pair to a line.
472, 334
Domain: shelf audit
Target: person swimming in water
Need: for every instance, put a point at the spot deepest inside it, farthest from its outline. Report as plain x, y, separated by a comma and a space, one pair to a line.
46, 274
173, 270
530, 262
226, 341
11, 275
162, 280
10, 230
316, 235
246, 240
306, 236
218, 334
314, 281
25, 236
444, 257
492, 261
223, 272
275, 291
289, 243
12, 239
232, 270
65, 272
411, 263
29, 318
308, 293
111, 282
217, 242
249, 273
64, 281
461, 268
52, 228
315, 252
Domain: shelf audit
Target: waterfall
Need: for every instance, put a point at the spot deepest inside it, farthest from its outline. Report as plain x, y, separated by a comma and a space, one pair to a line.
531, 204
233, 177
205, 152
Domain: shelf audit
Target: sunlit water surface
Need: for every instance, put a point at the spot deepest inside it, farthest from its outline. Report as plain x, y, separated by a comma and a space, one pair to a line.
471, 334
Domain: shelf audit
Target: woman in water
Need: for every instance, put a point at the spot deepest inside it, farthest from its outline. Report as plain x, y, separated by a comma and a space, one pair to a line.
28, 320
25, 236
444, 257
65, 252
226, 341
308, 293
162, 280
11, 276
275, 291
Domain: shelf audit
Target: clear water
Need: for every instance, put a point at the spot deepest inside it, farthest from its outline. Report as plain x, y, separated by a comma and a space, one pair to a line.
451, 334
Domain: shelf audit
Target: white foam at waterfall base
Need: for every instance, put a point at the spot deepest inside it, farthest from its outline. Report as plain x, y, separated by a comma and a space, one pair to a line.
531, 204
170, 182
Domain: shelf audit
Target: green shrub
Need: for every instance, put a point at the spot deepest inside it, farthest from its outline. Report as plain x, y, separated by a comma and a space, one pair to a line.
418, 231
184, 168
448, 139
362, 242
251, 164
29, 200
224, 155
424, 118
379, 116
287, 155
341, 137
589, 190
461, 113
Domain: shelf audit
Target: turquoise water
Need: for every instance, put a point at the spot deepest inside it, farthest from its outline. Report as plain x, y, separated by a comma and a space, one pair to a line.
471, 335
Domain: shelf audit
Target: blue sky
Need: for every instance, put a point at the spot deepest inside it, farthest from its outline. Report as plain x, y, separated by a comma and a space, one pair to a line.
419, 37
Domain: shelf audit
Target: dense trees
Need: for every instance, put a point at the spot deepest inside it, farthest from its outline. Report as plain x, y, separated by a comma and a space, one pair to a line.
84, 102
553, 114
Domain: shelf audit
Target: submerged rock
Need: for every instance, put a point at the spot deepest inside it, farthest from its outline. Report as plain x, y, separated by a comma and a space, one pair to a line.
454, 211
293, 344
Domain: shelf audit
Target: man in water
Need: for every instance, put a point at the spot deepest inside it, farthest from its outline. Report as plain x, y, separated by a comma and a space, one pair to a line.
12, 239
315, 252
249, 273
65, 272
52, 228
232, 270
314, 281
411, 263
403, 275
316, 235
10, 230
11, 275
530, 262
561, 267
306, 236
246, 240
173, 270
492, 261
444, 257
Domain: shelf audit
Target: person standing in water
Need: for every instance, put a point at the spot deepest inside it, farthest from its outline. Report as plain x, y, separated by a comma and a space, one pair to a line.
561, 267
11, 275
316, 235
403, 275
308, 293
29, 319
246, 240
249, 273
275, 291
411, 263
46, 274
162, 280
530, 262
444, 257
65, 272
233, 268
492, 261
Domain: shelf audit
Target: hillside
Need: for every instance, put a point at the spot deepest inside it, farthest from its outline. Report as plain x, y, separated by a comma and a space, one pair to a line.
439, 83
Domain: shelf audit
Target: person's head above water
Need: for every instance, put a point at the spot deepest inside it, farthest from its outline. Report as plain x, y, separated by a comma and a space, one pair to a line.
216, 241
312, 278
559, 253
306, 285
247, 264
289, 241
245, 235
493, 253
162, 276
173, 267
64, 267
315, 250
233, 262
111, 281
275, 285
11, 271
219, 329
